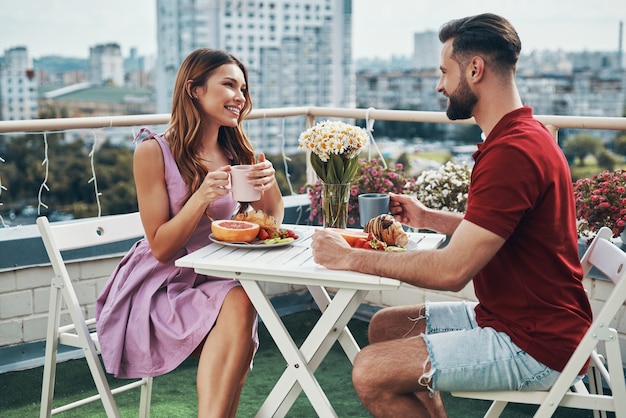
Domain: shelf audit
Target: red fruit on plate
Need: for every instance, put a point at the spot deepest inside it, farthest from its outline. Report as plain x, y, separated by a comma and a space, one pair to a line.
263, 234
352, 237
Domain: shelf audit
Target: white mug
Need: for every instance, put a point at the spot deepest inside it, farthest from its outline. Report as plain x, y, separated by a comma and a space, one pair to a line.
371, 205
240, 186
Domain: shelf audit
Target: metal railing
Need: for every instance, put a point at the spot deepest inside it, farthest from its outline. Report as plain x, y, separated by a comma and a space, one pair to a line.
553, 122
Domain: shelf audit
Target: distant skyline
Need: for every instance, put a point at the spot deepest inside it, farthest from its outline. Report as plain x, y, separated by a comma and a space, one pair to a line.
380, 28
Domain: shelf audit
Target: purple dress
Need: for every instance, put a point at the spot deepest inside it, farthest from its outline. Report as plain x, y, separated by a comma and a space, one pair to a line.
152, 315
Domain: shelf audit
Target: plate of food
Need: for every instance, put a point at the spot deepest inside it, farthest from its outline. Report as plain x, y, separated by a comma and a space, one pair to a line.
380, 233
246, 234
256, 243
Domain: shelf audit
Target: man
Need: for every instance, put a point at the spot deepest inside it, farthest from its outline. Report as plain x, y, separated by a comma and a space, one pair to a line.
517, 241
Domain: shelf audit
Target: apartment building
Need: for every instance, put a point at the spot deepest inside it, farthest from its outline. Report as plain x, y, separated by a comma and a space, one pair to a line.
18, 86
298, 53
106, 65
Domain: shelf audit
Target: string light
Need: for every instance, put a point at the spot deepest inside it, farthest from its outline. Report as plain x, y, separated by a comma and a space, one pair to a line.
369, 127
286, 158
93, 178
1, 189
44, 183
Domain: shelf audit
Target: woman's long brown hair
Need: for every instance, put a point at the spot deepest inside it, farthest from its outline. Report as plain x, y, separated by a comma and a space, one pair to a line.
184, 132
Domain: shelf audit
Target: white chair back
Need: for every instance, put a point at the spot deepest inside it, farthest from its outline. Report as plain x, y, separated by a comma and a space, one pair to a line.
72, 235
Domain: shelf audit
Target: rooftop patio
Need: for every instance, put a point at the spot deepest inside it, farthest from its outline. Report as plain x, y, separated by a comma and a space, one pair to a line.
25, 273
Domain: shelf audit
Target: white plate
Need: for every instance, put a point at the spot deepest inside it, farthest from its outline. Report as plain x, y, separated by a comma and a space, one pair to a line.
256, 244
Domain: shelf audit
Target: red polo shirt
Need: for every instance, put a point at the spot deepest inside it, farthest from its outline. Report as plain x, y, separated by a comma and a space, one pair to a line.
521, 189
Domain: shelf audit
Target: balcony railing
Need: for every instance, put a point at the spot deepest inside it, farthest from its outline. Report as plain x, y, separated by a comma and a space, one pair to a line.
24, 280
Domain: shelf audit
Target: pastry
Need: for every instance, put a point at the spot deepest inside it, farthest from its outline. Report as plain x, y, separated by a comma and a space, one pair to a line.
387, 229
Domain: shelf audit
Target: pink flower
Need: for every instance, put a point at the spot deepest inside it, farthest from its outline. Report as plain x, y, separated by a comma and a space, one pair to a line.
601, 201
371, 177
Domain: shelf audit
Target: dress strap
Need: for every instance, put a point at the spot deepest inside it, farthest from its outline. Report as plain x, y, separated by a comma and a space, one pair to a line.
147, 131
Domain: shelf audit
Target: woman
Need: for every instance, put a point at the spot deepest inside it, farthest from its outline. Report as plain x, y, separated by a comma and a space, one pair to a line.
152, 315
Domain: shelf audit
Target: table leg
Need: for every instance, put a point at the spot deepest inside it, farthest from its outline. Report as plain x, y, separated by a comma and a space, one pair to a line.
315, 347
297, 367
347, 341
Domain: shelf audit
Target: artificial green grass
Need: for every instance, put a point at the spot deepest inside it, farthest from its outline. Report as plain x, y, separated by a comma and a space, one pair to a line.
174, 394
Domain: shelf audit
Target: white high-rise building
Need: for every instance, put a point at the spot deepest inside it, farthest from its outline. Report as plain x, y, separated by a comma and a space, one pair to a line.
298, 53
426, 47
18, 86
106, 65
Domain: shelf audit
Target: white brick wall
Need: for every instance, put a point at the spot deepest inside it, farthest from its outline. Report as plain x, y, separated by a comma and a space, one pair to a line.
25, 293
25, 297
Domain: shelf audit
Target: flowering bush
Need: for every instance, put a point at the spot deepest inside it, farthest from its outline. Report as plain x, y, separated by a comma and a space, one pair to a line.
371, 177
334, 146
445, 188
601, 201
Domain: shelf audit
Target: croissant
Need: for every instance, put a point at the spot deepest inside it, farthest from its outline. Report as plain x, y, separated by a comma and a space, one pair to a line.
387, 229
260, 218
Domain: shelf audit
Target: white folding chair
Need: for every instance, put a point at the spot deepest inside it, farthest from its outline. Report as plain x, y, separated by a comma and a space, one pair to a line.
80, 333
611, 261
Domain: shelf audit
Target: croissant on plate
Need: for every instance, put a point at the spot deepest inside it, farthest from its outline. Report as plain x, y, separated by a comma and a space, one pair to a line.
387, 229
265, 221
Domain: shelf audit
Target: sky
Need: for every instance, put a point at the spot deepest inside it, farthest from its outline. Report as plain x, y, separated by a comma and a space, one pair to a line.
381, 28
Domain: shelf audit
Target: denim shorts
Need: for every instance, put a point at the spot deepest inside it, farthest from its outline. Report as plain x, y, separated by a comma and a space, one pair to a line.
464, 356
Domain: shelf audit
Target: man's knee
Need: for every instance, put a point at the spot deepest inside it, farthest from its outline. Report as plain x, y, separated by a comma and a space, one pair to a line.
362, 371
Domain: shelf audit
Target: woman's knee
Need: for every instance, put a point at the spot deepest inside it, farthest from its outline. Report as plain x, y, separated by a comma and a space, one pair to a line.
238, 301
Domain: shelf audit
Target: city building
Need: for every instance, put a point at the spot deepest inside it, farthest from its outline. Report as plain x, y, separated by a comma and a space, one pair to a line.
106, 65
426, 47
86, 99
18, 86
297, 53
137, 71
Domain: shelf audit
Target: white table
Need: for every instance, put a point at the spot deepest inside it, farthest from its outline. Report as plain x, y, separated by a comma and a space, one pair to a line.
293, 264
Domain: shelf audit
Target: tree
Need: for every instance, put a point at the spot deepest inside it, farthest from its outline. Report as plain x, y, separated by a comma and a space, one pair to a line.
619, 145
606, 160
580, 146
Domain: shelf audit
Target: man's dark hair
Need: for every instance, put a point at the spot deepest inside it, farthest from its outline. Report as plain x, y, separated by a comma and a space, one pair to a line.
488, 35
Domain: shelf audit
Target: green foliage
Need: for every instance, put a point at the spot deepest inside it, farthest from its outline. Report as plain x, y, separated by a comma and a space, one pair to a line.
69, 175
580, 146
296, 171
619, 145
606, 159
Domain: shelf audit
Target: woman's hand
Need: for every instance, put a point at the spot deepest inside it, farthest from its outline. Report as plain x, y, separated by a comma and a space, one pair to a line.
262, 175
215, 184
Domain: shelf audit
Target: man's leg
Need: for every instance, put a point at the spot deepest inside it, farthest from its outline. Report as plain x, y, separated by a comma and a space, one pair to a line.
390, 374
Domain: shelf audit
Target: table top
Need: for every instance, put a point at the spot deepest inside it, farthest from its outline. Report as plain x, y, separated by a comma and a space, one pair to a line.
291, 264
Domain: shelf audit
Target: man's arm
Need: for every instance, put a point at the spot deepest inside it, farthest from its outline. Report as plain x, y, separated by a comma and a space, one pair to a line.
410, 211
450, 268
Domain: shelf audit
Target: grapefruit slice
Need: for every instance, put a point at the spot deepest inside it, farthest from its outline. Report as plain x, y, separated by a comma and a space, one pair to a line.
352, 235
234, 231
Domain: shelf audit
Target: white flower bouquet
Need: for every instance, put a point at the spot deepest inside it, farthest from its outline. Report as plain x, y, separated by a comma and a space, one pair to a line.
334, 146
445, 188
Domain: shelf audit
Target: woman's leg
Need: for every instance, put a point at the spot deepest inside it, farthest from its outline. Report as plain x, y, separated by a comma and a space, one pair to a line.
225, 357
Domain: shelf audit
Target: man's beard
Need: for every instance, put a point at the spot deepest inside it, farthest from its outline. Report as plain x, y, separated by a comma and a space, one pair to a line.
462, 102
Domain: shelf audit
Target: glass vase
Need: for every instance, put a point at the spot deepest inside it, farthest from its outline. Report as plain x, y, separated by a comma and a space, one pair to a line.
335, 204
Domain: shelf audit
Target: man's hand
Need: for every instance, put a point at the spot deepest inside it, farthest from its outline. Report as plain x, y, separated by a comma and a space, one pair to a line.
407, 210
330, 249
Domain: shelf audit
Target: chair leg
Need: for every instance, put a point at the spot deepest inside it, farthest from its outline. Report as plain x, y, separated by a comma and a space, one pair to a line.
52, 344
145, 398
91, 355
595, 387
495, 409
